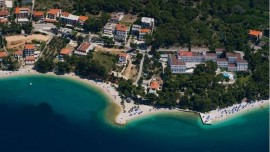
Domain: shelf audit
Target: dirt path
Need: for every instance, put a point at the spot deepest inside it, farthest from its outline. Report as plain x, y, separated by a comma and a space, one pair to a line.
18, 40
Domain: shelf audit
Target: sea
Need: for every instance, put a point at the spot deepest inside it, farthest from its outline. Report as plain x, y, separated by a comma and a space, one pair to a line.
43, 113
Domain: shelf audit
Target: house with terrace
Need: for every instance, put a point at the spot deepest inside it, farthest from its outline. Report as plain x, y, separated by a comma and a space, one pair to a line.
38, 15
109, 30
142, 33
123, 58
84, 48
22, 14
255, 34
29, 50
4, 14
121, 32
3, 55
154, 86
147, 22
18, 55
65, 52
30, 60
53, 15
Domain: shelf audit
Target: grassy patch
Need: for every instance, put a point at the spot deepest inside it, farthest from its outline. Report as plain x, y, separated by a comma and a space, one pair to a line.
105, 59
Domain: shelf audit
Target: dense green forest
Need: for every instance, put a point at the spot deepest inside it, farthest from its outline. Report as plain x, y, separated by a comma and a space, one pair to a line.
212, 23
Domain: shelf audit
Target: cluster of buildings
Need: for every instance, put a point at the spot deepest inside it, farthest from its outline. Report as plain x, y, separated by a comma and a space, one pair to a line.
146, 27
24, 14
119, 32
185, 60
57, 15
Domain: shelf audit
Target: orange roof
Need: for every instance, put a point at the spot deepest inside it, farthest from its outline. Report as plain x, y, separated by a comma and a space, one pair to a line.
254, 32
66, 51
3, 54
65, 14
184, 53
19, 9
154, 85
18, 53
121, 27
125, 55
83, 18
84, 46
38, 13
30, 58
53, 11
29, 46
145, 30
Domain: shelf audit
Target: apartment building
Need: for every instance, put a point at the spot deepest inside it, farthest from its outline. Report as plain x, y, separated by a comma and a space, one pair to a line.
38, 15
143, 32
109, 29
29, 50
120, 32
222, 62
147, 22
22, 14
53, 15
177, 66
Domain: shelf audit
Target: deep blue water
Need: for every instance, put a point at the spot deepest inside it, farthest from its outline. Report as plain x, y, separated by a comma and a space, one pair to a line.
60, 115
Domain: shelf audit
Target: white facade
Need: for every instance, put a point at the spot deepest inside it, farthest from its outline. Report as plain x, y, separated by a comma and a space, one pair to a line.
148, 22
108, 29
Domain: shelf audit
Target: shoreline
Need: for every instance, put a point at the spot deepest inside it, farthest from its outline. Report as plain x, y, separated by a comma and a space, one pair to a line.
130, 111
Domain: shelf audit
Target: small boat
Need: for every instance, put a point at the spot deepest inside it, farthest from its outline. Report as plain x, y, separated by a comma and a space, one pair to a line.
30, 83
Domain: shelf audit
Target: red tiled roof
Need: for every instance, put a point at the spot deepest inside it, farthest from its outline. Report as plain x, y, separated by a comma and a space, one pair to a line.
231, 65
154, 85
30, 58
66, 51
120, 27
254, 32
29, 46
4, 13
176, 61
231, 55
19, 9
125, 55
145, 30
65, 14
222, 60
185, 53
241, 61
84, 46
53, 11
38, 13
83, 18
211, 54
3, 54
18, 53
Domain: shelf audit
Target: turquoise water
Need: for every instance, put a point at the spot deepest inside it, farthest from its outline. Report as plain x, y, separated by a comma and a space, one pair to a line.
56, 114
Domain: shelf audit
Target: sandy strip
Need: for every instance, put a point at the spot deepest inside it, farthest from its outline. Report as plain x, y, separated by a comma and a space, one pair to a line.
219, 115
130, 111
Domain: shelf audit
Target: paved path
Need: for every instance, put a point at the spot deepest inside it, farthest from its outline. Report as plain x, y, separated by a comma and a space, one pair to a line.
141, 68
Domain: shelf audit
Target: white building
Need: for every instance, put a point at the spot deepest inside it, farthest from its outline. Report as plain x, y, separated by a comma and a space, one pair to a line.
135, 29
148, 22
116, 17
177, 66
109, 29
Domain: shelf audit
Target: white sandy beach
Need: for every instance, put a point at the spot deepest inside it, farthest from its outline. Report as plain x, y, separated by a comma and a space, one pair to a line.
130, 111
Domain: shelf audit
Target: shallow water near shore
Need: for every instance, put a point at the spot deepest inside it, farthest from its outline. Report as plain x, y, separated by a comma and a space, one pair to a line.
56, 114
